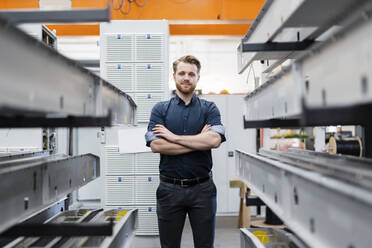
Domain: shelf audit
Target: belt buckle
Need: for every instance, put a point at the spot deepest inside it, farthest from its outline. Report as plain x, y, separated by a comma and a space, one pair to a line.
184, 185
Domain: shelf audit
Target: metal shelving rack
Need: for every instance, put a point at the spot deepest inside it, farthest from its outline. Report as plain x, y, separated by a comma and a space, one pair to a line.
325, 199
304, 93
41, 88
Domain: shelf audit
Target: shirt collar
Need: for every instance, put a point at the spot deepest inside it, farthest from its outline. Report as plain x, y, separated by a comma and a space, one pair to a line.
179, 99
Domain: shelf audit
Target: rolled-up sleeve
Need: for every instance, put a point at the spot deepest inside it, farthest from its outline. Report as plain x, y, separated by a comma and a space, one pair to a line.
155, 118
214, 119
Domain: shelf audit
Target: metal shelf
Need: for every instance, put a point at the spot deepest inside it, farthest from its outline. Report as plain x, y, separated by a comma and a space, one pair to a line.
291, 21
327, 85
40, 87
325, 198
93, 227
57, 16
32, 183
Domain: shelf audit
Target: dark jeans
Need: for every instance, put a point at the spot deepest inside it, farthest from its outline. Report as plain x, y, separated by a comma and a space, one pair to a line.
174, 202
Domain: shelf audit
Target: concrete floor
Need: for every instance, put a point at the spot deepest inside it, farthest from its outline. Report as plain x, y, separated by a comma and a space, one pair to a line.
227, 235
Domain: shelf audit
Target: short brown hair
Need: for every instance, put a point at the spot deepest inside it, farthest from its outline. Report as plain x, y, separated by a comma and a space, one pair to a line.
189, 59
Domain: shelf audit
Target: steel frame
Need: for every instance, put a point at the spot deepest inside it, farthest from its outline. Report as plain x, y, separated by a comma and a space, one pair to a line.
57, 16
30, 184
59, 229
277, 16
123, 233
306, 90
40, 87
323, 210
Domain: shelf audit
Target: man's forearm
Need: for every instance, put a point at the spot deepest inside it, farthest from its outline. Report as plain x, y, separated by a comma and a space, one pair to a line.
202, 141
168, 148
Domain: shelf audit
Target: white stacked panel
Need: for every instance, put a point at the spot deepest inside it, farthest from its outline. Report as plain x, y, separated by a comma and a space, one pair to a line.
147, 222
146, 189
118, 164
135, 59
150, 47
120, 190
132, 180
121, 75
149, 77
119, 48
147, 163
145, 102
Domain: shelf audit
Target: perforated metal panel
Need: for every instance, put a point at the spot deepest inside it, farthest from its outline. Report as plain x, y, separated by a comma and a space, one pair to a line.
121, 75
119, 48
116, 163
146, 189
147, 222
149, 47
145, 102
120, 190
150, 77
147, 163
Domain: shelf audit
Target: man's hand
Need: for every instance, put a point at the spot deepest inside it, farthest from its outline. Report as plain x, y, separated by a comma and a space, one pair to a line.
161, 131
206, 128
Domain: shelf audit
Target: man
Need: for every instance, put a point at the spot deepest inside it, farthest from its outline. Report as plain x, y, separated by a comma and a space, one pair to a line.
184, 130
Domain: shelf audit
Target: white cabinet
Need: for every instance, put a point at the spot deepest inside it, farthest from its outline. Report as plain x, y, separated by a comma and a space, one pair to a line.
231, 109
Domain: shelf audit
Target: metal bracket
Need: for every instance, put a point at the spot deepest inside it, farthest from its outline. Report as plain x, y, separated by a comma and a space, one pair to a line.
253, 201
59, 229
70, 121
323, 116
289, 123
58, 16
276, 46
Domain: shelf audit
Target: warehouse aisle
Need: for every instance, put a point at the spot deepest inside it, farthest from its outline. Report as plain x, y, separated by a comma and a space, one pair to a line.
227, 235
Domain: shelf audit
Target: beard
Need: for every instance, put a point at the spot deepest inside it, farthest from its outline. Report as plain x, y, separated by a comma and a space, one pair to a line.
185, 91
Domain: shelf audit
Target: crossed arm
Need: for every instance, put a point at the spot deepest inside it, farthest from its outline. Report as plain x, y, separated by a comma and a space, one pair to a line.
172, 144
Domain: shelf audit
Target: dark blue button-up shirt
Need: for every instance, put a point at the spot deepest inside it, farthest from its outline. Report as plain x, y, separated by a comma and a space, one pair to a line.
184, 119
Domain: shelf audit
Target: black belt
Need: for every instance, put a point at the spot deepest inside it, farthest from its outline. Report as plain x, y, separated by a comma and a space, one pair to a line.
184, 182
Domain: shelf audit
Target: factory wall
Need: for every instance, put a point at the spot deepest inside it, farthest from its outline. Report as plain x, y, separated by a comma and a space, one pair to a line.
216, 53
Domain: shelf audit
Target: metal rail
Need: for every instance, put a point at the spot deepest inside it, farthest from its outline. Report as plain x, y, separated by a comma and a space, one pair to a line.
306, 90
40, 87
57, 16
324, 210
292, 21
30, 184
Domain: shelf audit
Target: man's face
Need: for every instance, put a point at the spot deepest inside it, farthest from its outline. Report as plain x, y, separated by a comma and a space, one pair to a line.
186, 78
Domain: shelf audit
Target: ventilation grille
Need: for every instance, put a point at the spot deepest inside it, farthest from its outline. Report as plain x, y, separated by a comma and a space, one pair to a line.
149, 77
120, 190
149, 47
145, 102
121, 75
119, 48
147, 223
118, 164
147, 163
146, 189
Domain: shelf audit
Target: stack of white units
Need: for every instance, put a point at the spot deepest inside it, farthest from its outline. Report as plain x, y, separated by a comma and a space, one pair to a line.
134, 58
131, 182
